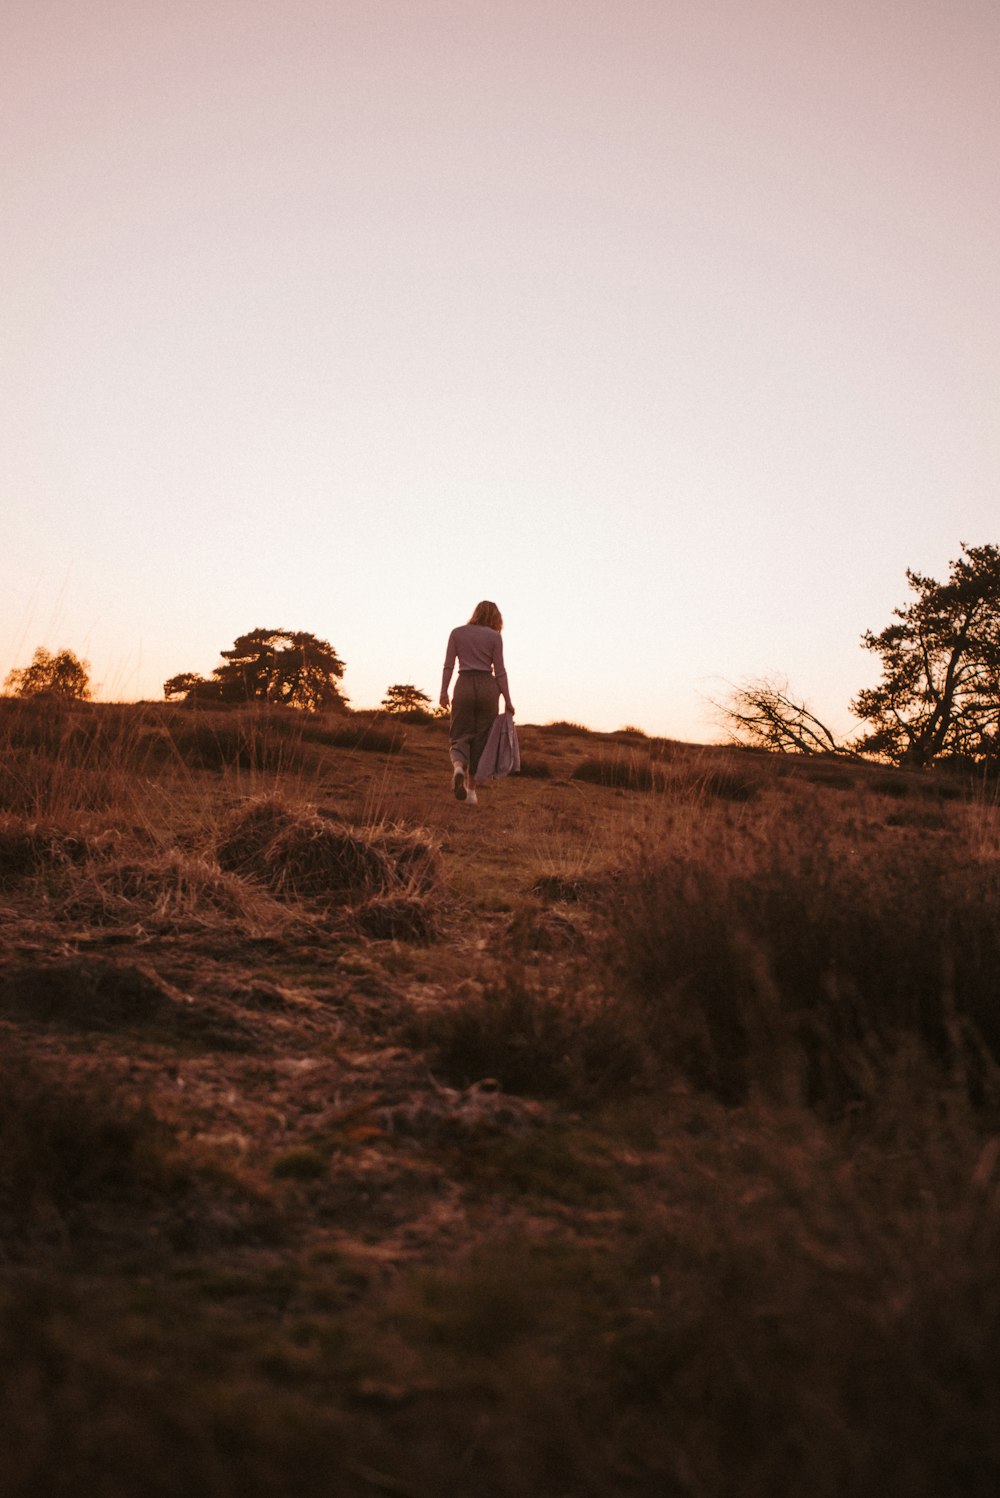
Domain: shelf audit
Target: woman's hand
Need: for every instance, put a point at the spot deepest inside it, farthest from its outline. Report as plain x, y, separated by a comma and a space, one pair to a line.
444, 699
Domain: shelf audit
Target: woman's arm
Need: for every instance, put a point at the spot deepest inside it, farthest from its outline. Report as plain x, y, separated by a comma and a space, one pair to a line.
500, 672
451, 655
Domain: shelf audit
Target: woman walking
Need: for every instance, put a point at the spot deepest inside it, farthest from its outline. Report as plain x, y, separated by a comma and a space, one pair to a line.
482, 680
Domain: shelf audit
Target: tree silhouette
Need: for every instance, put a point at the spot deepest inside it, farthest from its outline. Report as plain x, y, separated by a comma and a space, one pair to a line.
939, 696
288, 667
404, 698
940, 687
59, 675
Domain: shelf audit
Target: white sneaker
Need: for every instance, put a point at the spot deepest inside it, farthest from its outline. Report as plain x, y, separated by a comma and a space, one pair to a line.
459, 784
472, 797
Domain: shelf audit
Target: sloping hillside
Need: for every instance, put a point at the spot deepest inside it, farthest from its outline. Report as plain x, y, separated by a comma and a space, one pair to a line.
633, 1132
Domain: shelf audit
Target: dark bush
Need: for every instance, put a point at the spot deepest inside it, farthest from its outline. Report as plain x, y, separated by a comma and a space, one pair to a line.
833, 777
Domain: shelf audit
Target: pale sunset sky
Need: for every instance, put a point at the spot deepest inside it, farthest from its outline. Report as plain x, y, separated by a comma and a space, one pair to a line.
673, 326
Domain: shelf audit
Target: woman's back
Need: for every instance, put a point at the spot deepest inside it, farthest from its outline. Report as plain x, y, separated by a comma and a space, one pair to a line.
476, 647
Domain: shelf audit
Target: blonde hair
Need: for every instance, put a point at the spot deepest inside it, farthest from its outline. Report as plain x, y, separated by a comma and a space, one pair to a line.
487, 613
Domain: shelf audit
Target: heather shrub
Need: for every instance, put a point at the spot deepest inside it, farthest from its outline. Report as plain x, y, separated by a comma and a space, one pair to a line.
29, 848
240, 742
728, 785
532, 930
533, 1040
39, 789
625, 772
762, 1329
535, 769
398, 917
363, 736
800, 969
73, 1136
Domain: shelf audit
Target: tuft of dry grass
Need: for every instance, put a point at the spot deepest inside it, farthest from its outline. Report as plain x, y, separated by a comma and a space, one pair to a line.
563, 887
297, 852
415, 857
312, 854
166, 891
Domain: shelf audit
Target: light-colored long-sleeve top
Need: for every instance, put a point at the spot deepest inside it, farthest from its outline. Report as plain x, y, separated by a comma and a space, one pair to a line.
476, 647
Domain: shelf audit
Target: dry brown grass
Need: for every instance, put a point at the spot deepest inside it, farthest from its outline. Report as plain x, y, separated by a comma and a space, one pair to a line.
353, 1140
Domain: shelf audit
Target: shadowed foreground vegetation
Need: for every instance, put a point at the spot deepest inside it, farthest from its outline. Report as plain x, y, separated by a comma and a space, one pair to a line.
636, 1132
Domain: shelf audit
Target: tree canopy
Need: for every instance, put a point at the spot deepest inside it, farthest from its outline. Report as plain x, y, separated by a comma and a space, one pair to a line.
288, 667
58, 675
940, 687
939, 696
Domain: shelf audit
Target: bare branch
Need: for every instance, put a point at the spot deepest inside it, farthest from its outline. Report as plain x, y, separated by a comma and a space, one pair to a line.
762, 714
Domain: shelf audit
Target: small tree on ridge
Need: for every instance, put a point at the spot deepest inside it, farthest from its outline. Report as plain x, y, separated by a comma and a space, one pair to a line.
59, 675
404, 698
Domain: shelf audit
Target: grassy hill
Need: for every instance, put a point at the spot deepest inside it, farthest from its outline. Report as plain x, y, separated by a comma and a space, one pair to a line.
636, 1132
